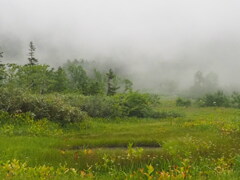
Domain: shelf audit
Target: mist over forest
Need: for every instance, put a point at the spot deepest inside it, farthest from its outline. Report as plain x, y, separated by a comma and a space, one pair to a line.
159, 45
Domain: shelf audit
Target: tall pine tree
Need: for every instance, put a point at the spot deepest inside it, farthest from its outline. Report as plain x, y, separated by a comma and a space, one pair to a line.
1, 56
32, 60
111, 86
2, 70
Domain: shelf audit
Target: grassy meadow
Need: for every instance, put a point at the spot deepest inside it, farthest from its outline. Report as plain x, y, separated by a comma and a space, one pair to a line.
202, 143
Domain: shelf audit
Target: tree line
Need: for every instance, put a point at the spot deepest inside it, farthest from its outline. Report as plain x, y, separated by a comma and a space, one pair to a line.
70, 77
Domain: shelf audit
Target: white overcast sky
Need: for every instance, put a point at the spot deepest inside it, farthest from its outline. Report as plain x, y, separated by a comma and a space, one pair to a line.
203, 32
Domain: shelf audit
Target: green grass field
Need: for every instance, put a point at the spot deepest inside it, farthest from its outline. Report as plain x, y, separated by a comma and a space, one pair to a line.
204, 143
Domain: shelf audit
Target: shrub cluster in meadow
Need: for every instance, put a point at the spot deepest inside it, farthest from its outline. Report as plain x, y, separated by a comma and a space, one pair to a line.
183, 102
131, 104
52, 107
219, 99
71, 108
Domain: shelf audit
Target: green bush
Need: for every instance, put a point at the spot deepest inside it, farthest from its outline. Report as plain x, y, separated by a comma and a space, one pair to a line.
138, 105
52, 107
102, 106
131, 104
74, 99
218, 99
183, 102
56, 109
74, 108
236, 100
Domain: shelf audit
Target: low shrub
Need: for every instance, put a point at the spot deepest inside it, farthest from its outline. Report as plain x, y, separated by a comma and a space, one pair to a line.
55, 109
218, 99
183, 102
74, 99
139, 105
235, 99
102, 106
74, 108
52, 107
131, 104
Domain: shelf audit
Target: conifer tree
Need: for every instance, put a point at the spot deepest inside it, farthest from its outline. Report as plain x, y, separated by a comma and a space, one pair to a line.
128, 85
32, 60
1, 56
111, 86
2, 69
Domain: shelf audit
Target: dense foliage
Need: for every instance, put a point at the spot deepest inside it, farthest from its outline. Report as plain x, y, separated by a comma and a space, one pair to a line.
121, 105
183, 102
218, 99
70, 108
71, 78
52, 107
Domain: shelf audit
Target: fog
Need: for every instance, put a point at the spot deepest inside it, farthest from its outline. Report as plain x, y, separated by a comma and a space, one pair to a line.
150, 41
